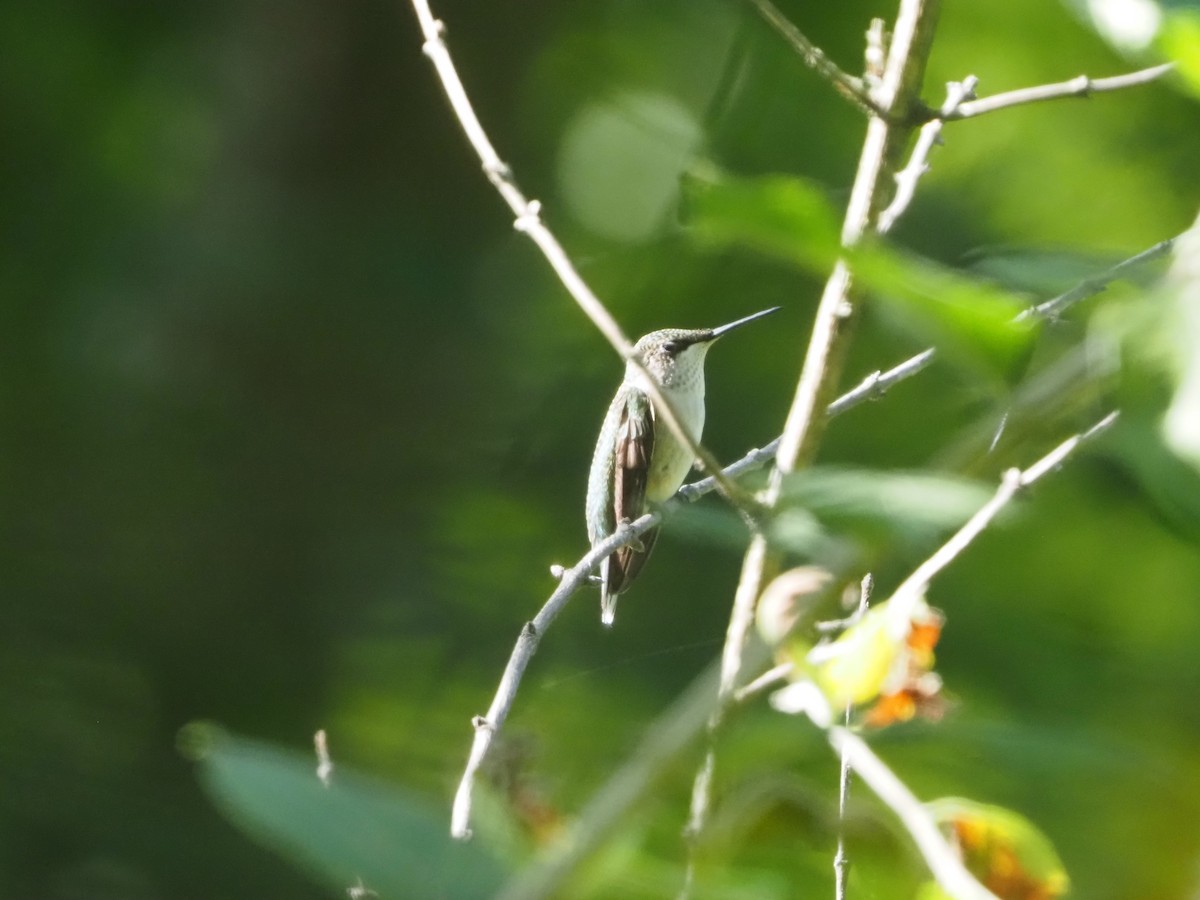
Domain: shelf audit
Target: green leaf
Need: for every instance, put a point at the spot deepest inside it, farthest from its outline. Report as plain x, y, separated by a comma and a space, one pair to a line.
1179, 39
356, 828
970, 321
1046, 271
909, 508
788, 218
1169, 483
858, 663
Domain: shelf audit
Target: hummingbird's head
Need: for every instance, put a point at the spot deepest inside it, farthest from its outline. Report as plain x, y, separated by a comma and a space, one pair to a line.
675, 356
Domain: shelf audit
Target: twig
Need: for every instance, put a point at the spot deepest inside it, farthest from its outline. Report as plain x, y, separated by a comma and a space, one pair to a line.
961, 104
763, 683
957, 92
506, 693
841, 862
1089, 287
904, 599
872, 387
1083, 86
527, 213
845, 84
878, 383
943, 862
875, 55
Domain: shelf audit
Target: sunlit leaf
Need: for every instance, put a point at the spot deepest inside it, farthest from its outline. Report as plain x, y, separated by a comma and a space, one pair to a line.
1180, 41
858, 664
885, 658
356, 831
788, 218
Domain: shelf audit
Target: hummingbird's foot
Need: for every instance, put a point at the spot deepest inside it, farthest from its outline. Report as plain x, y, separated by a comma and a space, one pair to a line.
634, 544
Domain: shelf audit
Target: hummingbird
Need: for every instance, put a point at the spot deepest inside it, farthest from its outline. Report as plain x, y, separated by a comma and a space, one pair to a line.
638, 460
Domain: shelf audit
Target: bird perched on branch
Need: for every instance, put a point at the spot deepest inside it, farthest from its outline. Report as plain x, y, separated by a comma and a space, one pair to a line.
638, 459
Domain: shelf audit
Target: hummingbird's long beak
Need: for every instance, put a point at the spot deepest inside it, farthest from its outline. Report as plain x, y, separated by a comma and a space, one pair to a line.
725, 329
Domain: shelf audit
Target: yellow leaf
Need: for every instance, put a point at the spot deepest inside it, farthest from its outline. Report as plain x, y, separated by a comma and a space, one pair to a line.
855, 667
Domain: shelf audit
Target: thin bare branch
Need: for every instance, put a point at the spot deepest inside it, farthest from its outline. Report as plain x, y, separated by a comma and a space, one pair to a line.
763, 683
1090, 287
910, 592
487, 725
943, 862
1083, 86
957, 92
528, 221
962, 104
881, 148
841, 860
871, 388
851, 88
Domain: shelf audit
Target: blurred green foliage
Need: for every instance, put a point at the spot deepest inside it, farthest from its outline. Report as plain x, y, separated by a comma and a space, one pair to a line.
295, 424
344, 828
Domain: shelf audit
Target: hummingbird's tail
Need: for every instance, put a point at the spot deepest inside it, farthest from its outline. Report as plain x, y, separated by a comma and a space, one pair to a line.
608, 607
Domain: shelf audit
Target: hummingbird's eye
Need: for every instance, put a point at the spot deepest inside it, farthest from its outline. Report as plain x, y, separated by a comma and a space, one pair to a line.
673, 347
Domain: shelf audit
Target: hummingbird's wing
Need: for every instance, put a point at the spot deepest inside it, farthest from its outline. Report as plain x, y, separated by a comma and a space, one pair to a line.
631, 469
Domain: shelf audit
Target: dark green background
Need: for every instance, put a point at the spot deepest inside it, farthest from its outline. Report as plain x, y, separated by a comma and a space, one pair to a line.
294, 424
